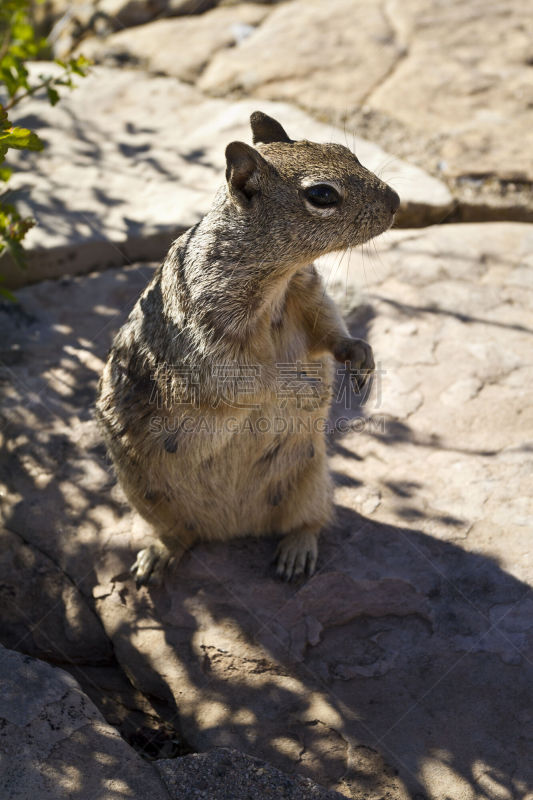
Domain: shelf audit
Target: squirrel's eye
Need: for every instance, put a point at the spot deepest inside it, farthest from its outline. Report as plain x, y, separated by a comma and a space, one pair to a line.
322, 195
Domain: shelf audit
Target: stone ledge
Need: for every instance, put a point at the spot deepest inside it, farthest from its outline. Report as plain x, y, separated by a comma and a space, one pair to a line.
114, 186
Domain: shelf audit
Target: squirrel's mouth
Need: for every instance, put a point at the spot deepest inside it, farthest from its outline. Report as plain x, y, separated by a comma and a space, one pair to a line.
369, 225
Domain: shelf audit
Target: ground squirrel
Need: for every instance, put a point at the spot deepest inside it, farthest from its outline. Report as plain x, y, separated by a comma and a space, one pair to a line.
207, 404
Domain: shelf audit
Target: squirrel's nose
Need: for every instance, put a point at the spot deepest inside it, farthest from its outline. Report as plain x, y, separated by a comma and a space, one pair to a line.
393, 199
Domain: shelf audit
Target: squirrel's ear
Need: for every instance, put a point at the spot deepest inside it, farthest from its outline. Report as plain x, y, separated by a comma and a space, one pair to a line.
265, 129
243, 165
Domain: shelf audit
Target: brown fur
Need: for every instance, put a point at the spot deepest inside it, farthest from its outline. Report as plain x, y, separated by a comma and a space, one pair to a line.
238, 293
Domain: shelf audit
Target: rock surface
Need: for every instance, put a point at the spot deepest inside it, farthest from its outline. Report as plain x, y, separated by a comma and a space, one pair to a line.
54, 744
178, 47
447, 85
449, 306
466, 85
123, 175
404, 666
229, 775
322, 56
69, 23
467, 77
42, 612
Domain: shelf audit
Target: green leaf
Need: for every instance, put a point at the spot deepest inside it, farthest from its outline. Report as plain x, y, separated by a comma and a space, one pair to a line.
20, 43
11, 82
20, 139
79, 66
16, 250
53, 95
22, 72
13, 228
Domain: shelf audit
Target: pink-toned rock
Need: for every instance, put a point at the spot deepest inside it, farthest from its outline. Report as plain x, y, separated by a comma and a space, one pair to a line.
445, 84
180, 47
54, 744
43, 612
335, 599
403, 665
322, 56
122, 177
69, 23
467, 77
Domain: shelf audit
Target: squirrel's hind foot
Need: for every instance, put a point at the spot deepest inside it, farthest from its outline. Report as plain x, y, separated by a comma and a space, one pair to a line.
150, 565
297, 554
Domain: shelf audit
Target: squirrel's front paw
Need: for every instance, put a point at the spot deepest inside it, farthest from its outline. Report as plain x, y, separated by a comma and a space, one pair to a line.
357, 355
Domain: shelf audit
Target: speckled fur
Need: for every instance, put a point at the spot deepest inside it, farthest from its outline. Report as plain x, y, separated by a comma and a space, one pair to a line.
239, 289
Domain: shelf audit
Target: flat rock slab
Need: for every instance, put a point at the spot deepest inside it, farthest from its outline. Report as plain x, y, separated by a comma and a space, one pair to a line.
180, 47
466, 75
70, 21
355, 43
55, 745
403, 666
447, 84
121, 175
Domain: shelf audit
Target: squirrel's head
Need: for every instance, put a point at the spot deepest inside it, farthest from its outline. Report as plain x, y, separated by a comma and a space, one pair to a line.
307, 198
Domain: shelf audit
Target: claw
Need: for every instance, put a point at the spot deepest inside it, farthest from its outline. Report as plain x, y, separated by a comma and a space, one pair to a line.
148, 566
296, 555
359, 378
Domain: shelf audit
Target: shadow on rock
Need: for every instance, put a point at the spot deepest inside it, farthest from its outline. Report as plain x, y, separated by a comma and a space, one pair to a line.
403, 668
